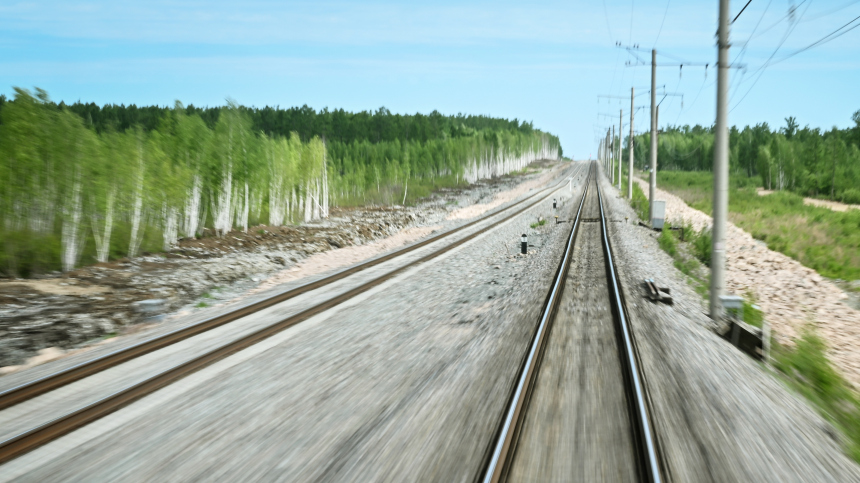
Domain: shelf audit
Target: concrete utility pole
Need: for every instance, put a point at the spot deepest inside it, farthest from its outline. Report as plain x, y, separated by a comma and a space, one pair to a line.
630, 164
599, 152
652, 187
603, 158
604, 151
612, 158
721, 167
620, 143
609, 155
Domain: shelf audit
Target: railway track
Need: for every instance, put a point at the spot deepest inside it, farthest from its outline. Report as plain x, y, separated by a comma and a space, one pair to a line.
578, 410
71, 418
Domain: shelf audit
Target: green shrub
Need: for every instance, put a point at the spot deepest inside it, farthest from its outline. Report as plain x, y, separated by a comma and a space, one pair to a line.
822, 239
640, 202
810, 373
851, 196
668, 243
702, 242
752, 315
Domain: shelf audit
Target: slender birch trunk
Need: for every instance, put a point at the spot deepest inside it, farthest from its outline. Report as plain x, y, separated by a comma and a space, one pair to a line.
137, 213
71, 238
102, 236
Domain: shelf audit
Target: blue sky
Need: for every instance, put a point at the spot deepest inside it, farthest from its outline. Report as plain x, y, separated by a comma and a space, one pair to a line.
545, 62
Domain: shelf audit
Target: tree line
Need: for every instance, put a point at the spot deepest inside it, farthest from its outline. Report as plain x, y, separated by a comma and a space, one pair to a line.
82, 184
332, 125
808, 161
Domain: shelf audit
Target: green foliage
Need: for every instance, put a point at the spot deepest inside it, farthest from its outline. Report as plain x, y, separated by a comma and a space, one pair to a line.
640, 202
752, 315
679, 250
810, 373
701, 243
822, 239
82, 183
807, 161
539, 223
335, 125
668, 243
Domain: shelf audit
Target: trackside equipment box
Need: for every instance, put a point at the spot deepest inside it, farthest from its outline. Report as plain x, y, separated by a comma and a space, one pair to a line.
659, 215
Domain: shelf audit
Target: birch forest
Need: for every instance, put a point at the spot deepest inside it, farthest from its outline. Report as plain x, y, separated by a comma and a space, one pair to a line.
84, 184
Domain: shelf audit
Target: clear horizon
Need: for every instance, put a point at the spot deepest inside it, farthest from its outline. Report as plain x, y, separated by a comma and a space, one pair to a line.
546, 64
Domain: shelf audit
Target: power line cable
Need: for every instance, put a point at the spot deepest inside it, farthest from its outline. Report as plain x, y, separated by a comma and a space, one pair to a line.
606, 16
742, 11
852, 2
778, 22
662, 22
760, 70
740, 57
630, 37
823, 40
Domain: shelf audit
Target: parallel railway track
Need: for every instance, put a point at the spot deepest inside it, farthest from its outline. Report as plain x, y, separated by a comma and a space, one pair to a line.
80, 416
637, 445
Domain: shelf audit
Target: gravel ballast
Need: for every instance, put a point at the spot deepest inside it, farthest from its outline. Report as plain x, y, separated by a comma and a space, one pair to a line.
718, 414
791, 296
407, 384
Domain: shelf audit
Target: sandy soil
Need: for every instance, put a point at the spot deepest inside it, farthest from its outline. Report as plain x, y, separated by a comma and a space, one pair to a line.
833, 205
790, 295
500, 198
49, 318
343, 257
58, 286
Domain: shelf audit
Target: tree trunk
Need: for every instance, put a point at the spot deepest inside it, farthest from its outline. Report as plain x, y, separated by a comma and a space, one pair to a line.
103, 239
137, 214
833, 182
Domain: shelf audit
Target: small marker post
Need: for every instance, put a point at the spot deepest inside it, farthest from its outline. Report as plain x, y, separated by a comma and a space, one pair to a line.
524, 244
554, 202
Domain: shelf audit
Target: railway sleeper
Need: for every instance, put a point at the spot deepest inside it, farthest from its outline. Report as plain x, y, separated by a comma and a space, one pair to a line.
655, 293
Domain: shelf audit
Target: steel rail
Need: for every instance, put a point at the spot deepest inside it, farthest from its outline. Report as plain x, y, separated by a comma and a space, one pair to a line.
648, 468
498, 464
49, 431
36, 387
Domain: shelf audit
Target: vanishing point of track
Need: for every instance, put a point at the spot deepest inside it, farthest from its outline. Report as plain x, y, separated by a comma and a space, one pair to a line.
40, 435
636, 445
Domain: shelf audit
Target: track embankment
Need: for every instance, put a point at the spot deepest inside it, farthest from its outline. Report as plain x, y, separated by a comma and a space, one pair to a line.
718, 415
401, 383
790, 295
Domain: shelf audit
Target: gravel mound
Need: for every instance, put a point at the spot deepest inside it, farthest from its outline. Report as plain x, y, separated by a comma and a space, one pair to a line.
789, 294
718, 414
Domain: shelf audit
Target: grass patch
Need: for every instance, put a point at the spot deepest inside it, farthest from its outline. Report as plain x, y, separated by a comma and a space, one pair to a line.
685, 260
415, 190
109, 335
752, 313
640, 203
206, 295
539, 223
824, 240
202, 305
810, 373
